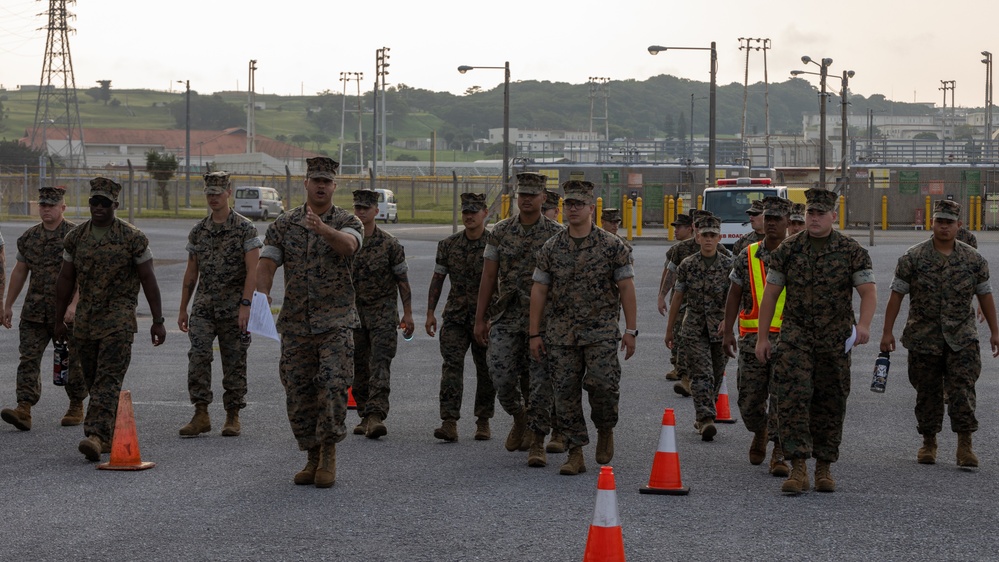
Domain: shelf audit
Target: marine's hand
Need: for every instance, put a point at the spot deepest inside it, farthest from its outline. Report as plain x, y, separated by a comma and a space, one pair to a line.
408, 327
763, 350
994, 340
628, 346
537, 348
482, 333
863, 334
887, 342
431, 324
70, 314
157, 333
182, 319
8, 316
730, 345
661, 304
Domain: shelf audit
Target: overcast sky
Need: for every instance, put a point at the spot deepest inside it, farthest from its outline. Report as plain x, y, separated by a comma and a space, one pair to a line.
902, 50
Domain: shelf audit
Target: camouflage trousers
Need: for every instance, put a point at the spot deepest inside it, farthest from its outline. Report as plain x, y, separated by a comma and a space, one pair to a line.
705, 362
953, 373
677, 351
202, 332
34, 339
594, 368
811, 391
756, 403
315, 372
456, 338
104, 363
520, 381
374, 348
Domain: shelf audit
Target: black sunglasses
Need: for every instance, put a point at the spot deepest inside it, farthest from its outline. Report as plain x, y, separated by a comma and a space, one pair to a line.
101, 202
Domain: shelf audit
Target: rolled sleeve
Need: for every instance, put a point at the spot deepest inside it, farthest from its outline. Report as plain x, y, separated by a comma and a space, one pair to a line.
353, 232
491, 253
274, 254
776, 278
734, 277
542, 277
400, 269
672, 267
984, 288
441, 269
20, 258
899, 286
191, 249
624, 272
680, 287
863, 277
251, 244
145, 256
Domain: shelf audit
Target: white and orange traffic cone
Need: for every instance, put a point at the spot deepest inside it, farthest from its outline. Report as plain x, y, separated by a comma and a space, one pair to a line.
125, 443
665, 477
605, 542
723, 411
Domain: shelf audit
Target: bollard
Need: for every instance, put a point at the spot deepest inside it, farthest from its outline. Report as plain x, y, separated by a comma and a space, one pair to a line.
600, 211
971, 212
627, 217
679, 206
884, 212
700, 202
505, 207
978, 212
638, 217
928, 214
559, 217
669, 217
842, 212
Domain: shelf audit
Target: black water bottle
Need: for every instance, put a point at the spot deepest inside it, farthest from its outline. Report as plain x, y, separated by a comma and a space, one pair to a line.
60, 363
881, 367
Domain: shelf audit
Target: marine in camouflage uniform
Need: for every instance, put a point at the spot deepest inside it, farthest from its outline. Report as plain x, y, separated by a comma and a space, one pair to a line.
39, 257
684, 229
702, 280
941, 276
756, 402
223, 249
107, 259
819, 269
582, 279
509, 263
755, 213
315, 244
459, 257
611, 221
379, 271
966, 236
550, 206
796, 221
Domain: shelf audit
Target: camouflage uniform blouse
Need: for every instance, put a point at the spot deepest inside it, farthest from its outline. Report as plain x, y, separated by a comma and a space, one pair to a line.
220, 252
461, 260
705, 290
818, 305
940, 290
318, 288
745, 240
583, 297
686, 248
516, 249
377, 267
41, 251
107, 275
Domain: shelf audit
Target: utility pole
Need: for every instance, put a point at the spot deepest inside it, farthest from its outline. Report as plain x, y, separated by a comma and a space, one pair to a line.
251, 104
761, 44
346, 78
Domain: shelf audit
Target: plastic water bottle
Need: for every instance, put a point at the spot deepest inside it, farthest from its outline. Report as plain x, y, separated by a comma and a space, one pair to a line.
402, 326
60, 363
881, 367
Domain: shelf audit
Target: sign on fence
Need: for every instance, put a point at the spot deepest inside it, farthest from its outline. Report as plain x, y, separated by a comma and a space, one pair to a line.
972, 182
908, 182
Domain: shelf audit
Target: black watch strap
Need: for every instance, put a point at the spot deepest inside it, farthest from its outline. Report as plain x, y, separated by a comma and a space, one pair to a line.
159, 320
245, 302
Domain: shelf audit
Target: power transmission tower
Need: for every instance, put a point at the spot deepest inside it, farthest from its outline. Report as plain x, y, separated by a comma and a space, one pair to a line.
57, 108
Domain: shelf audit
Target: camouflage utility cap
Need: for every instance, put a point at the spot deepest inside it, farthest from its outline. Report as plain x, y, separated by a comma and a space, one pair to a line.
365, 198
820, 199
216, 183
531, 183
50, 195
776, 206
104, 187
683, 220
322, 167
708, 224
611, 215
756, 208
473, 202
797, 212
551, 199
578, 190
697, 213
946, 209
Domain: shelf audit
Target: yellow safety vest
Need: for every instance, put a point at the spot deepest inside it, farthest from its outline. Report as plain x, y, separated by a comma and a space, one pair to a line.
749, 323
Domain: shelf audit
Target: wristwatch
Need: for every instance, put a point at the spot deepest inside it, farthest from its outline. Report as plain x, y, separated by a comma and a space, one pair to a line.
632, 332
159, 320
245, 302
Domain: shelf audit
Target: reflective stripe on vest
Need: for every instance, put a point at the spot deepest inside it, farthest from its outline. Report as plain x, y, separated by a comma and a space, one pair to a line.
750, 323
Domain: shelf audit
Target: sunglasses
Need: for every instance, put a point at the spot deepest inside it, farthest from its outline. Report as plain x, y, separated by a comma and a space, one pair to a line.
101, 202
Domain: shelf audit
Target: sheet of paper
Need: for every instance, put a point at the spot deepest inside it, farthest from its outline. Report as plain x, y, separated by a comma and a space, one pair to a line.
261, 320
850, 340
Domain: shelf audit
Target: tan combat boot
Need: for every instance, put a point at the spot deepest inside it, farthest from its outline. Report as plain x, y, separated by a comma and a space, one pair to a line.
605, 445
19, 417
778, 466
536, 457
362, 426
574, 464
823, 478
91, 447
556, 445
448, 431
516, 435
326, 469
672, 375
798, 481
758, 448
683, 387
927, 454
307, 476
965, 457
231, 427
74, 414
376, 428
707, 429
199, 424
482, 432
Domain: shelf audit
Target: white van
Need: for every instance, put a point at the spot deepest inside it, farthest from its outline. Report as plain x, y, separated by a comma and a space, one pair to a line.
730, 199
388, 210
258, 202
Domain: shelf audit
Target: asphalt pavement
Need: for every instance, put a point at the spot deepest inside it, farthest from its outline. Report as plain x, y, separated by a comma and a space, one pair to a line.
408, 496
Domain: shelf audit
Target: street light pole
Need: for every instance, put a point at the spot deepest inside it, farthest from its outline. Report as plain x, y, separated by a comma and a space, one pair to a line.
845, 166
822, 74
187, 143
988, 103
506, 118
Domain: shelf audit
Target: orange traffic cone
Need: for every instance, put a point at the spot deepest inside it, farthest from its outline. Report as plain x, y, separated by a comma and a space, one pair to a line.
604, 543
351, 404
723, 412
125, 443
665, 477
